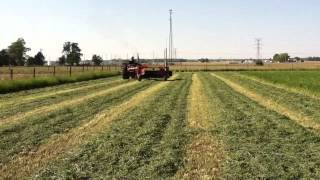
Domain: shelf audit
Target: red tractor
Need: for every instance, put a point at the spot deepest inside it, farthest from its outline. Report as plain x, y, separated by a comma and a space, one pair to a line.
139, 71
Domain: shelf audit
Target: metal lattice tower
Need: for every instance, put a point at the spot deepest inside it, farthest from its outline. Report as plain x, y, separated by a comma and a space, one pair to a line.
171, 47
258, 45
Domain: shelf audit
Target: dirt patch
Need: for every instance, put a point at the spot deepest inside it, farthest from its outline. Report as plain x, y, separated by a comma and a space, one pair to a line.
301, 119
58, 145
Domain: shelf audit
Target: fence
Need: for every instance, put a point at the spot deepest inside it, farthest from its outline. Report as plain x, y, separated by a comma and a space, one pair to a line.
7, 73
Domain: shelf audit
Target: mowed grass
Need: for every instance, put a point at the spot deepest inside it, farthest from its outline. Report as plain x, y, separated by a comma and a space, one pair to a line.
26, 136
19, 104
8, 86
261, 143
197, 126
147, 142
301, 80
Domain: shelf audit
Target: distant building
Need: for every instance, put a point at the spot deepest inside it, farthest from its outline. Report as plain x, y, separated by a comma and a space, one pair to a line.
53, 63
248, 61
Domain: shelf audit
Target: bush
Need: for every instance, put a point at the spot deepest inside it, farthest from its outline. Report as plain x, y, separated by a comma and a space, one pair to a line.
259, 63
27, 84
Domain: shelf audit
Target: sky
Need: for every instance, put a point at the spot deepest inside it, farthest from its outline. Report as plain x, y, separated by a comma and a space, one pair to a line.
202, 28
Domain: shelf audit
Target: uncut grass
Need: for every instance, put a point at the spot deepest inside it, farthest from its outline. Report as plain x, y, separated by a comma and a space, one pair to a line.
302, 80
297, 102
22, 106
260, 143
147, 142
26, 136
10, 86
22, 96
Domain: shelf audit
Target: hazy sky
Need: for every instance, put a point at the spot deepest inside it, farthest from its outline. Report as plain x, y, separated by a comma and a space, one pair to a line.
202, 28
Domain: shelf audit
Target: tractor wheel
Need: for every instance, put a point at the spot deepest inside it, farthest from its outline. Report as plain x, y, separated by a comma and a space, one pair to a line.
125, 73
139, 77
165, 78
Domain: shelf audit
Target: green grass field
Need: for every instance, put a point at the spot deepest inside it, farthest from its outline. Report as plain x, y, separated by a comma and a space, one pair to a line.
204, 125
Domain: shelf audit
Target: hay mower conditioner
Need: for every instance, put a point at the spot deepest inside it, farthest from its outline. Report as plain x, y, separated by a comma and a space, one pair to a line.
143, 71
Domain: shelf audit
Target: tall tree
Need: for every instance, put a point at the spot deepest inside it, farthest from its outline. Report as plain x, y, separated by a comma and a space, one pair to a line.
4, 57
17, 51
31, 61
62, 60
39, 59
72, 53
97, 60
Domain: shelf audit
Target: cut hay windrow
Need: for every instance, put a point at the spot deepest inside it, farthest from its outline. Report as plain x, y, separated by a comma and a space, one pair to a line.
198, 111
58, 145
46, 109
299, 118
203, 154
32, 97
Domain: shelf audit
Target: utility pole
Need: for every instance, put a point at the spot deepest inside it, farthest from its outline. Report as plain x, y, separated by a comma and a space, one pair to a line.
171, 37
258, 46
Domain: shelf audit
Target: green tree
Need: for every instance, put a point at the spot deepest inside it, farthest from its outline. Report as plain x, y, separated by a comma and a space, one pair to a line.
17, 51
39, 59
97, 60
4, 57
283, 57
62, 60
31, 61
276, 57
72, 53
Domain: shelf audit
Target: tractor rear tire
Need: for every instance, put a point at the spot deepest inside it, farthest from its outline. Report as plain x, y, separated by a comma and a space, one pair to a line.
166, 78
139, 77
125, 73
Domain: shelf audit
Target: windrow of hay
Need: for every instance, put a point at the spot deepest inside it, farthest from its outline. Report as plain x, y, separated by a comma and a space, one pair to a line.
289, 89
204, 154
46, 109
301, 119
36, 96
56, 146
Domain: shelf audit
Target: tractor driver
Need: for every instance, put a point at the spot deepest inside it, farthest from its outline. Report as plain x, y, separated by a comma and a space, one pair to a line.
133, 61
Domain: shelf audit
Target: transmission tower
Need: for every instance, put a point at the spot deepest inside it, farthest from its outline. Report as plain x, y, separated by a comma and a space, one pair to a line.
171, 49
258, 46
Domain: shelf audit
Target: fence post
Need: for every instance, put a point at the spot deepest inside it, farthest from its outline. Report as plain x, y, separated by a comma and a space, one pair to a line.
70, 69
82, 68
34, 72
54, 70
11, 74
102, 68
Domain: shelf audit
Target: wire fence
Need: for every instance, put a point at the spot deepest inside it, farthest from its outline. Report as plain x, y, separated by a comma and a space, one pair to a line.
14, 73
21, 72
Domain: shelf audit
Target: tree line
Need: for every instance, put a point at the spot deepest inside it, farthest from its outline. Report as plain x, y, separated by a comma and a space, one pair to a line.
16, 55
